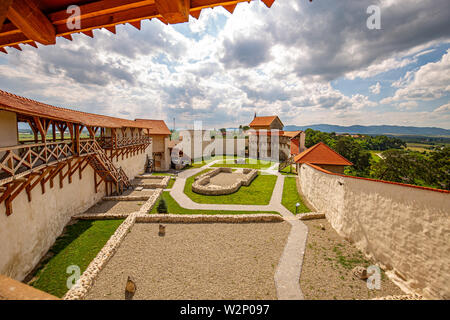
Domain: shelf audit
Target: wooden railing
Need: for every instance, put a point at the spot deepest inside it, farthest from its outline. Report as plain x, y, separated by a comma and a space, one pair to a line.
109, 143
286, 163
17, 161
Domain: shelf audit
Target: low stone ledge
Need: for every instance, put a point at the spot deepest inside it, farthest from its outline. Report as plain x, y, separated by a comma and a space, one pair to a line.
102, 216
201, 183
203, 218
126, 198
311, 216
148, 205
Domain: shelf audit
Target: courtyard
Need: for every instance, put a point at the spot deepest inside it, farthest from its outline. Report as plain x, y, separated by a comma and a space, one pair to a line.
207, 258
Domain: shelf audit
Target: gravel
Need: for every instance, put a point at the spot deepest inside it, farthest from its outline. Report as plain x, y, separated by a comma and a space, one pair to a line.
111, 207
327, 267
195, 261
144, 192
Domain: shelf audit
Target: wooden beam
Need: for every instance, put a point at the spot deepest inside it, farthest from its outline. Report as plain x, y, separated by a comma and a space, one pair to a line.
4, 6
102, 7
174, 11
95, 22
26, 15
40, 127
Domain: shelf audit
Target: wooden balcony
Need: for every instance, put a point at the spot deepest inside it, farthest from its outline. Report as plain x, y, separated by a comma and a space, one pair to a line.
111, 143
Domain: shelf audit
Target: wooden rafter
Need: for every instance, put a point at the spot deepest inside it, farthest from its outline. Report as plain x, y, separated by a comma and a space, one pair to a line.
4, 6
26, 15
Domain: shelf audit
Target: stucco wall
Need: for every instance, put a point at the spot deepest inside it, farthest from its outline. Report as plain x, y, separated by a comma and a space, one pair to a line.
8, 129
160, 143
405, 229
29, 232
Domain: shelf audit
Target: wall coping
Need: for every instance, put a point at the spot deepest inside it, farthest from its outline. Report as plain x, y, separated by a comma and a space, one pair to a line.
376, 180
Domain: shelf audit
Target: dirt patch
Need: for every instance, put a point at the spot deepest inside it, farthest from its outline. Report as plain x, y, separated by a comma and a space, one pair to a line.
327, 267
196, 261
225, 179
109, 206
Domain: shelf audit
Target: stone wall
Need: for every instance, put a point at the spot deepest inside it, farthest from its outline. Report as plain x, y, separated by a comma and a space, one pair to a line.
201, 184
29, 232
406, 229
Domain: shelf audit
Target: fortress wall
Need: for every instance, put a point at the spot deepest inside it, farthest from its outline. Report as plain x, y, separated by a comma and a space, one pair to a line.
406, 229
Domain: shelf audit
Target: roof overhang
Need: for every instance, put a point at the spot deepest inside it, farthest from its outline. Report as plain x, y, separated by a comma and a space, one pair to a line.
31, 21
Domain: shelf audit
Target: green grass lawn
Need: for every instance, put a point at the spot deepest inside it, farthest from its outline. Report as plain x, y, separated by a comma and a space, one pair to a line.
375, 156
258, 192
291, 196
249, 163
79, 245
161, 174
171, 182
289, 170
174, 208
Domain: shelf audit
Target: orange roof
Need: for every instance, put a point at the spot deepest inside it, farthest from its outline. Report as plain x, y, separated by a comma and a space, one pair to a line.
21, 105
155, 126
291, 134
263, 121
321, 154
44, 20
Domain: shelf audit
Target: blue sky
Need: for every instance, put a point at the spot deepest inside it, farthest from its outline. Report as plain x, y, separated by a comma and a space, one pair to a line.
307, 62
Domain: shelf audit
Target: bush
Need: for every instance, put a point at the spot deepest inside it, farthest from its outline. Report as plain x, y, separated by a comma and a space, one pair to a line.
162, 206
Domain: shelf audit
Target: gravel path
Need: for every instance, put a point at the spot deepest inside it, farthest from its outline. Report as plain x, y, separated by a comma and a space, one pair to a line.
122, 207
196, 261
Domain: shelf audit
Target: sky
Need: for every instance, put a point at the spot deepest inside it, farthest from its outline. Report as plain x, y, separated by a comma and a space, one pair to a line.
307, 62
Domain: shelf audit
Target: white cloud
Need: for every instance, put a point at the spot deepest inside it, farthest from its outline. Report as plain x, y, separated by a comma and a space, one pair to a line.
222, 68
376, 88
429, 82
408, 105
443, 109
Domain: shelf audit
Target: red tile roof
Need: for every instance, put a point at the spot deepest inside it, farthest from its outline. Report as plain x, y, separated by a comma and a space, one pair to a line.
156, 126
322, 154
21, 105
263, 121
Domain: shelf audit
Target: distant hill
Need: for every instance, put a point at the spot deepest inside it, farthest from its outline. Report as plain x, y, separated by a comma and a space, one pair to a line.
374, 130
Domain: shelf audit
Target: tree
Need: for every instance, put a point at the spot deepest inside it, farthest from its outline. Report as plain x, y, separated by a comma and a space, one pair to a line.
404, 167
440, 163
162, 206
352, 150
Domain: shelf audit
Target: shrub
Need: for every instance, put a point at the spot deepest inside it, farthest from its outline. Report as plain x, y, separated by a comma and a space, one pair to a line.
162, 206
